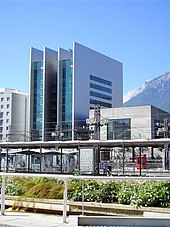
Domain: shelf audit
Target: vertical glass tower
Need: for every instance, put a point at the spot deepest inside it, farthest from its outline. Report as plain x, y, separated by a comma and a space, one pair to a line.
42, 94
37, 74
65, 98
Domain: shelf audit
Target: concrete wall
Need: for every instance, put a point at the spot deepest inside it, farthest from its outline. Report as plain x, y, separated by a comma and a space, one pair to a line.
140, 120
143, 119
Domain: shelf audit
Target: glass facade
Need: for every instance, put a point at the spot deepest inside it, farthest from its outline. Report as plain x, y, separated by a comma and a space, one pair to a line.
119, 129
100, 80
37, 75
100, 88
100, 92
99, 95
65, 98
104, 104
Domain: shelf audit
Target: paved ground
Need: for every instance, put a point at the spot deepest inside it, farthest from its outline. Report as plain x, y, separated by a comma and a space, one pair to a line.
24, 219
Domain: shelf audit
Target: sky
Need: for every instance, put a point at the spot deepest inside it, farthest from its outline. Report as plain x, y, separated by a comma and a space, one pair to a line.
134, 32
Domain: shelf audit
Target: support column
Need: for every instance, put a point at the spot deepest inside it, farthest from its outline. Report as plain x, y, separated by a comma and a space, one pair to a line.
123, 147
40, 158
7, 159
140, 153
3, 196
65, 200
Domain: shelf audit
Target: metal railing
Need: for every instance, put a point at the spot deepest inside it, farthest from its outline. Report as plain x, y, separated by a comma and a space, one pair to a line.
65, 178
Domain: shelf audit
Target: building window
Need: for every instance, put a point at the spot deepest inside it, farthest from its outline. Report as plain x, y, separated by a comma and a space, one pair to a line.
119, 129
2, 99
0, 136
100, 88
7, 128
8, 98
7, 120
1, 122
1, 114
99, 95
7, 113
2, 106
7, 106
100, 80
104, 104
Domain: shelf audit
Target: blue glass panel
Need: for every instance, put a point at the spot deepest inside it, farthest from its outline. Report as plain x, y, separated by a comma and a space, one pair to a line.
100, 88
37, 75
65, 97
100, 80
104, 104
99, 95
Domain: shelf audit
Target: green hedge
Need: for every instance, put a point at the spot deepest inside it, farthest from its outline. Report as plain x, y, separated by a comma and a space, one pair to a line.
135, 193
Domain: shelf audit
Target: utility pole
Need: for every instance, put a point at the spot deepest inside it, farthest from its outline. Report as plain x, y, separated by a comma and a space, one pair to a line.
97, 122
166, 147
163, 129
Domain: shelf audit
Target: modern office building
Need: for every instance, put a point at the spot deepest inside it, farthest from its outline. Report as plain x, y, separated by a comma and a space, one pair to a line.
65, 84
135, 122
13, 115
42, 93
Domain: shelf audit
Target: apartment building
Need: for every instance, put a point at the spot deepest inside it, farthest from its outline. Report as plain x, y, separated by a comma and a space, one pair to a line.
13, 115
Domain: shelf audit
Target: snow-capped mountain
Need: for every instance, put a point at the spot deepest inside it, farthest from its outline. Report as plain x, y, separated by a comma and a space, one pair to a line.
155, 92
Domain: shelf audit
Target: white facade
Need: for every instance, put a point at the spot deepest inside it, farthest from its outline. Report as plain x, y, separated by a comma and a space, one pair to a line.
13, 115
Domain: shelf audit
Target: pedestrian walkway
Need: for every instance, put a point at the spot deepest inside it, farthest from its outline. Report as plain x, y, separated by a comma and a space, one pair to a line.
25, 219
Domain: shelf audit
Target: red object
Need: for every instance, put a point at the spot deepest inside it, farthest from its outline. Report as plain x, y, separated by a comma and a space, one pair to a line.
143, 161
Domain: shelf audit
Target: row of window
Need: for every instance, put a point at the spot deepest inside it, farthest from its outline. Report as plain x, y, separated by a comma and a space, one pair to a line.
1, 121
2, 114
99, 95
7, 106
2, 99
104, 104
1, 129
100, 80
100, 88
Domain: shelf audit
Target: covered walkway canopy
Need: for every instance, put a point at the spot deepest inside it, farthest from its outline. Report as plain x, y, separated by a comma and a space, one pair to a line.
88, 143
